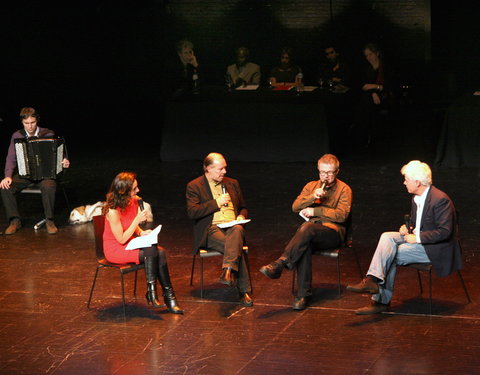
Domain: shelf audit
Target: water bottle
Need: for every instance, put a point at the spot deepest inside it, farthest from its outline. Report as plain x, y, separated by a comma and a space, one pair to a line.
195, 82
299, 83
229, 82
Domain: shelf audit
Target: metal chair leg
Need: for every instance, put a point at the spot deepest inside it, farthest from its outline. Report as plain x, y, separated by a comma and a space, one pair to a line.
420, 281
123, 294
338, 276
430, 291
464, 286
135, 285
201, 277
93, 286
193, 269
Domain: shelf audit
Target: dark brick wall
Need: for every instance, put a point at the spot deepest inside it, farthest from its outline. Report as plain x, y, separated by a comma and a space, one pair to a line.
217, 27
102, 60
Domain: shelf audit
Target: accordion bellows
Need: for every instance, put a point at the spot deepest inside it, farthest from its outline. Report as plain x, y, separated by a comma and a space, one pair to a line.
39, 158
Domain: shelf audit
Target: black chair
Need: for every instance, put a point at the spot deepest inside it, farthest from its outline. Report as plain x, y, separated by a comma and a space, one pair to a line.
99, 224
208, 253
335, 253
427, 267
33, 188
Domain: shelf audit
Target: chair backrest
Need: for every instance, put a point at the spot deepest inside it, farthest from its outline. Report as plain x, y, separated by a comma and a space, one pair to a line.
99, 226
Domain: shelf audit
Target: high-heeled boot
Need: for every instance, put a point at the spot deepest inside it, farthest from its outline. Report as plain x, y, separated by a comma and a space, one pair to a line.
151, 266
168, 293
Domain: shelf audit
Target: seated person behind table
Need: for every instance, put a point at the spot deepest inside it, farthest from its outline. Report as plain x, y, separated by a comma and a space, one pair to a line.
334, 72
123, 214
13, 183
184, 75
286, 73
243, 72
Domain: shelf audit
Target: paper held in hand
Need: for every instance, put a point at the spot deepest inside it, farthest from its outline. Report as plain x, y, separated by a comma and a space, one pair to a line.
303, 216
144, 241
232, 223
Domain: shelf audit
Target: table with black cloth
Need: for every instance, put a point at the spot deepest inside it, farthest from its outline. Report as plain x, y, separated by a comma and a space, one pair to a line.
459, 141
257, 125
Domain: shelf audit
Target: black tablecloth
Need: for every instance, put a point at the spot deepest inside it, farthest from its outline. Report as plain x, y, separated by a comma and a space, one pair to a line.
260, 125
459, 143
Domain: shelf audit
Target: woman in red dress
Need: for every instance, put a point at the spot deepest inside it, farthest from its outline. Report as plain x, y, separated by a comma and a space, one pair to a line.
123, 217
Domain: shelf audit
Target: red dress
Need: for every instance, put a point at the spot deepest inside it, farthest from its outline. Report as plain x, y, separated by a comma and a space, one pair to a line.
114, 251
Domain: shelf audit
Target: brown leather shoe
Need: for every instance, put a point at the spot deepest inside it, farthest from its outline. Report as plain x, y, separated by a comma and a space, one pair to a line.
300, 303
228, 276
373, 308
13, 227
246, 300
51, 228
273, 270
367, 285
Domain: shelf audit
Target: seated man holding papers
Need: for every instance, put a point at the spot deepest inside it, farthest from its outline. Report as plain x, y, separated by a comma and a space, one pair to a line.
214, 200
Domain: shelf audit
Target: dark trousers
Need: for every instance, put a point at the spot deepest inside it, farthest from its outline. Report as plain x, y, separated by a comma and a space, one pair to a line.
48, 188
298, 253
229, 242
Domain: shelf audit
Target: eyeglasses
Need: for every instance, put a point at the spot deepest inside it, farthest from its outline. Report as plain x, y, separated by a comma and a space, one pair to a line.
327, 173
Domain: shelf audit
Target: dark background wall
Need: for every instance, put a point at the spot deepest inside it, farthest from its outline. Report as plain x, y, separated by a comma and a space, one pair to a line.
96, 69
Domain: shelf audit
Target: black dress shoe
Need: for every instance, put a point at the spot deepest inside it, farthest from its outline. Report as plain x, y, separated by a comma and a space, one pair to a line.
273, 270
228, 276
246, 300
300, 303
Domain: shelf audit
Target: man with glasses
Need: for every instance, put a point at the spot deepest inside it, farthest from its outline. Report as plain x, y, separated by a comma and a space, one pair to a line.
430, 236
325, 204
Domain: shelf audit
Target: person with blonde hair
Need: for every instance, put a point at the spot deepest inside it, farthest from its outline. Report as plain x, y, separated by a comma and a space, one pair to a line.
428, 236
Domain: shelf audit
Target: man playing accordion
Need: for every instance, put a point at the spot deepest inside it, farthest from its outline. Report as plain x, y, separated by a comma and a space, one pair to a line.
14, 183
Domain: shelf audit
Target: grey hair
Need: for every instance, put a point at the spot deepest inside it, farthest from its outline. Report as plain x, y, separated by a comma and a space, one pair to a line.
418, 171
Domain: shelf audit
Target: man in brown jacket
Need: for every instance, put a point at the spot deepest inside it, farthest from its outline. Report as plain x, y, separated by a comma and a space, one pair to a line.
325, 204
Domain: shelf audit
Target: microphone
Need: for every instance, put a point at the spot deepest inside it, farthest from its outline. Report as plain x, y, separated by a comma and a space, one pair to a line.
408, 223
140, 204
224, 191
324, 183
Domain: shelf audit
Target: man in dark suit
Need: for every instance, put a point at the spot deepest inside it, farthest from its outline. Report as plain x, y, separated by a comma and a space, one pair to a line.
212, 200
431, 236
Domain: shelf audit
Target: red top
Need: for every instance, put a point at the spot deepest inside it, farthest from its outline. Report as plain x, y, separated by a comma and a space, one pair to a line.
114, 251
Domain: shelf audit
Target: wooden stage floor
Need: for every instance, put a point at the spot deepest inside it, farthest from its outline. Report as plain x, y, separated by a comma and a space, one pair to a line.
45, 280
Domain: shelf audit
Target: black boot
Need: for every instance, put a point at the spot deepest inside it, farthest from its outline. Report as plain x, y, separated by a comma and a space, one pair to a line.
168, 293
151, 276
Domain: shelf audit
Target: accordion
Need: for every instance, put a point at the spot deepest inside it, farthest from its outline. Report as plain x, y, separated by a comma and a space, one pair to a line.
39, 158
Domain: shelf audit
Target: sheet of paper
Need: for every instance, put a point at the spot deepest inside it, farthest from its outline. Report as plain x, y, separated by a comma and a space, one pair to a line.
144, 241
247, 87
232, 223
303, 216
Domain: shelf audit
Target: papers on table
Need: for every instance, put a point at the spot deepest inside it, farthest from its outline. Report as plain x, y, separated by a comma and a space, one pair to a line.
309, 88
144, 241
247, 87
232, 223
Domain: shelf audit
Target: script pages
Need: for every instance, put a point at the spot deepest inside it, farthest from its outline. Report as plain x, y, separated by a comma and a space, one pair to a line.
144, 241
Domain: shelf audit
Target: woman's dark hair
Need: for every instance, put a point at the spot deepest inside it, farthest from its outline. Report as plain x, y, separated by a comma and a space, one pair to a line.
119, 194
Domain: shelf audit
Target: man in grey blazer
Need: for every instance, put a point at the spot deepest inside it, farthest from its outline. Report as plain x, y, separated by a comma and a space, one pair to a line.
214, 199
431, 236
